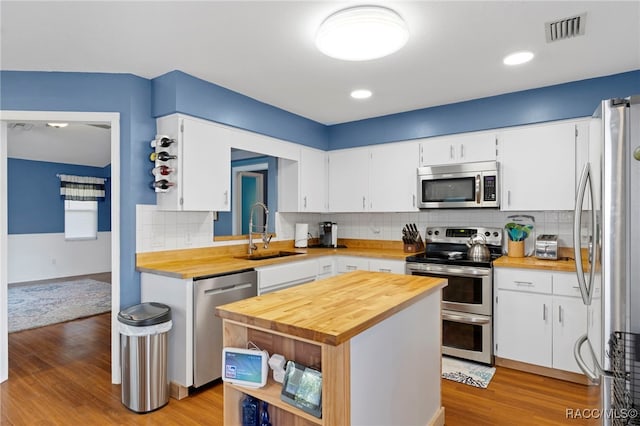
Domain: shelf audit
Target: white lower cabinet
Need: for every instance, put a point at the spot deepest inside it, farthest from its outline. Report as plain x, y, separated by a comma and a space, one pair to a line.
326, 267
285, 275
353, 263
538, 317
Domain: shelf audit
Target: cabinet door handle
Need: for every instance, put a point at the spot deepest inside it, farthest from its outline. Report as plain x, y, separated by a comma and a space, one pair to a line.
524, 283
414, 200
560, 314
363, 203
384, 270
461, 150
226, 197
508, 197
451, 153
305, 201
544, 312
351, 267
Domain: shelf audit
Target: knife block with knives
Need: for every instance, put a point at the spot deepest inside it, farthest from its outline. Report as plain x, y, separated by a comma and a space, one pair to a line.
412, 239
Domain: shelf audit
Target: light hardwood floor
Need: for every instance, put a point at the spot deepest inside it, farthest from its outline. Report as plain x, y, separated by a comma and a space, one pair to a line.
61, 375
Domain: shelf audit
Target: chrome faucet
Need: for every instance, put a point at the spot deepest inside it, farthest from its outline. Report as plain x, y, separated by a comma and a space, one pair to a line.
266, 238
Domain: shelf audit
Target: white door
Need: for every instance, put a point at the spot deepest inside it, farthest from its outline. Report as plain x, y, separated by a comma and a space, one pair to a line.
349, 180
569, 323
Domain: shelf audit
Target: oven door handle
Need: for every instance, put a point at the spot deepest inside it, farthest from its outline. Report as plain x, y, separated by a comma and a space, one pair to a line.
466, 319
449, 270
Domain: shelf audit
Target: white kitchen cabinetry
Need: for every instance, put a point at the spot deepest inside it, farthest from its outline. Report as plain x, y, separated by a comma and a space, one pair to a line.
381, 178
353, 263
326, 267
302, 185
202, 173
387, 265
461, 148
539, 317
349, 180
538, 165
393, 177
285, 275
313, 180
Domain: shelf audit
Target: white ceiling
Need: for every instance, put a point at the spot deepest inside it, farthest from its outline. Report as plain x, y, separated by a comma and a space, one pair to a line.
78, 143
264, 49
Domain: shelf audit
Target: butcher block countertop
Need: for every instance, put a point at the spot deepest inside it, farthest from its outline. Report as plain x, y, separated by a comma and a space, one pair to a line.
567, 263
200, 262
335, 309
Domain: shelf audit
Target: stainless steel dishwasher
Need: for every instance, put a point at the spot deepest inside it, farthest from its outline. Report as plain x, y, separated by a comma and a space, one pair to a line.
208, 293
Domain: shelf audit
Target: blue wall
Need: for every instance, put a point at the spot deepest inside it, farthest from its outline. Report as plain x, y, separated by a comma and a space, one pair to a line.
558, 102
122, 93
180, 92
33, 196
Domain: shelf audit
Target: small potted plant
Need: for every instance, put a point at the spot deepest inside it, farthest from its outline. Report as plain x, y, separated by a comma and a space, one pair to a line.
517, 233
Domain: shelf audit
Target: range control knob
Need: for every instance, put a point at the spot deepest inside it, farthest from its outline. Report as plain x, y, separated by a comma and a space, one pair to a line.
487, 233
495, 234
429, 232
437, 232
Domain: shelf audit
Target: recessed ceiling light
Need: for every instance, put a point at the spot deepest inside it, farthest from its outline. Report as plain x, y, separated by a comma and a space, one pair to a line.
517, 58
362, 33
361, 94
57, 125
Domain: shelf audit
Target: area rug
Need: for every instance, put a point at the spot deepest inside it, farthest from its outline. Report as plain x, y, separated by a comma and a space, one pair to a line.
37, 305
469, 373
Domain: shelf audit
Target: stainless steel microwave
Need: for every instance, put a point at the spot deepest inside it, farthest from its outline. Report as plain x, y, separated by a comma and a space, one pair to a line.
466, 185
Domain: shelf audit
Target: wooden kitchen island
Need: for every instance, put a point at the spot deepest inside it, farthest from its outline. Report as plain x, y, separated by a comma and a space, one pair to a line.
375, 336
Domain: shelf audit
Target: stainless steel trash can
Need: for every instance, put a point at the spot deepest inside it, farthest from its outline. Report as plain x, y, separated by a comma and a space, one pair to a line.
143, 356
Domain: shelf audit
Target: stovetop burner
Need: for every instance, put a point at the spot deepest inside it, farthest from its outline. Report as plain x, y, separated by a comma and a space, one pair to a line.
447, 246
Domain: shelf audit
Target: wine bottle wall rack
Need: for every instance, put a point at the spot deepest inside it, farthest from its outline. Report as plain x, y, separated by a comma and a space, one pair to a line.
164, 160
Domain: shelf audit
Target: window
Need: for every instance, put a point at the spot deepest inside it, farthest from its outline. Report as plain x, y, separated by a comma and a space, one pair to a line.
80, 220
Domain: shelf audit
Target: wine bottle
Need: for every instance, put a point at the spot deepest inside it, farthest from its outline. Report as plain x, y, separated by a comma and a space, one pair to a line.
162, 184
162, 156
162, 170
163, 142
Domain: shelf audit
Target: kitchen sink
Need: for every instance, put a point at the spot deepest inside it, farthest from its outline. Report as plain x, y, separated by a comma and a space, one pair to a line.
267, 255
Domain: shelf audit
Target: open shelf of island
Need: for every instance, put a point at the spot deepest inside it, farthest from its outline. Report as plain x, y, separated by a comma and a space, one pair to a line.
375, 336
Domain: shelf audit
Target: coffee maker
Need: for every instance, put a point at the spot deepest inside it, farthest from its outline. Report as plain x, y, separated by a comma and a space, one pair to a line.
328, 234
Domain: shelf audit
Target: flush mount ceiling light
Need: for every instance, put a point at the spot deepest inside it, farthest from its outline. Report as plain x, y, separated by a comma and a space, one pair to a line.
517, 58
361, 94
362, 33
57, 125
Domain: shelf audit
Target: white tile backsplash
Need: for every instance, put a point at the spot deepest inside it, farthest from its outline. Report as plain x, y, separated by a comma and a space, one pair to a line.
162, 230
388, 226
158, 230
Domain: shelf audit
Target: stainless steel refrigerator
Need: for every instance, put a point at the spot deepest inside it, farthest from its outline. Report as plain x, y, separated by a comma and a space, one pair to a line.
607, 227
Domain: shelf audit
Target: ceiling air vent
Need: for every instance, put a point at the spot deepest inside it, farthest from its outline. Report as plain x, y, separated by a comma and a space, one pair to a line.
565, 28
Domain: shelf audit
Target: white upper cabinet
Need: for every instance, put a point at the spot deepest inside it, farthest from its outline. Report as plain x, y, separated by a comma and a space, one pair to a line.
349, 180
538, 165
313, 180
461, 148
302, 185
393, 177
380, 178
202, 173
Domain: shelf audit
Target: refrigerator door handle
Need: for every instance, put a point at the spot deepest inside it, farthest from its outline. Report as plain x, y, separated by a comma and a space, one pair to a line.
594, 376
585, 288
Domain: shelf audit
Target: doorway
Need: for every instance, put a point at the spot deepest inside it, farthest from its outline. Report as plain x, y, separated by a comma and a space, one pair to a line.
105, 119
249, 190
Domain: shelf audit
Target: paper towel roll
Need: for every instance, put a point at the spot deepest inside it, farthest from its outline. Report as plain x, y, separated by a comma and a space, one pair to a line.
302, 231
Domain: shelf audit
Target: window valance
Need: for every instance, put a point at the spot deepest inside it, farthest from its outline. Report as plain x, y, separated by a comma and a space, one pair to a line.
81, 188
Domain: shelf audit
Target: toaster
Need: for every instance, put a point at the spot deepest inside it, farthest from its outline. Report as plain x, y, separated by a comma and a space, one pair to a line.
547, 247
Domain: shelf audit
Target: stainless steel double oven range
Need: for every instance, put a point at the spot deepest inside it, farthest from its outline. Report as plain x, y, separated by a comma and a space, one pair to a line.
467, 302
